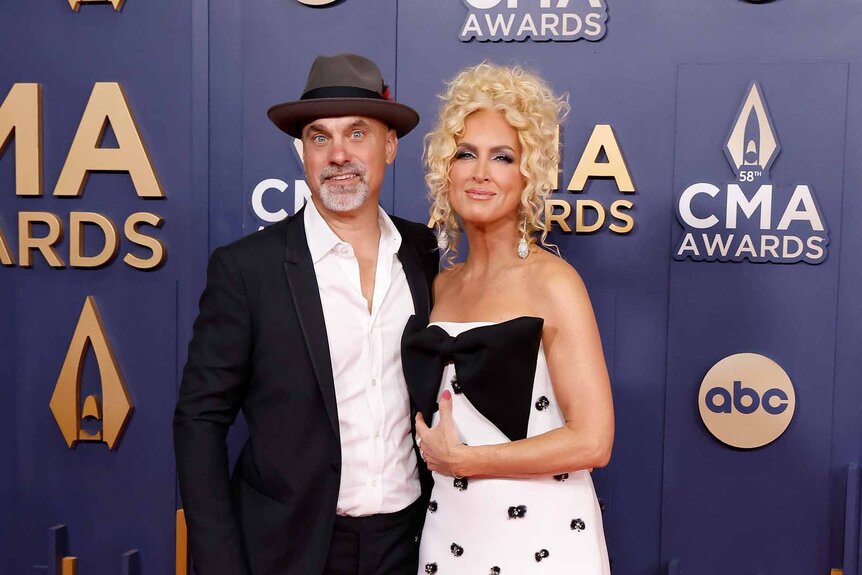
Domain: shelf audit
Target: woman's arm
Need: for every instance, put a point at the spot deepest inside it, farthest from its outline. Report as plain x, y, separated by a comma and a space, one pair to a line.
580, 380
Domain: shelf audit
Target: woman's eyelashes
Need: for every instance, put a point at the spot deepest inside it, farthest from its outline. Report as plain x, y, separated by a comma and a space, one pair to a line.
501, 157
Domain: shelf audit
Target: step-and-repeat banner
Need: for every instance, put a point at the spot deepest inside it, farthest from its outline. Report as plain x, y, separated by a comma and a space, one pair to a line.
706, 193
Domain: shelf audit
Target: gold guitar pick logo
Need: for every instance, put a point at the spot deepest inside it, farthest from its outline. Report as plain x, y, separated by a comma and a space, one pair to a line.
111, 410
76, 4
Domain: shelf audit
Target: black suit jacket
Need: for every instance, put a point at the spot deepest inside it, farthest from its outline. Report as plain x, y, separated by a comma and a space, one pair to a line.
260, 345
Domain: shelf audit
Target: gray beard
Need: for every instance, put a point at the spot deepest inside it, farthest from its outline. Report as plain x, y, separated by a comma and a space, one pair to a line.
337, 198
343, 198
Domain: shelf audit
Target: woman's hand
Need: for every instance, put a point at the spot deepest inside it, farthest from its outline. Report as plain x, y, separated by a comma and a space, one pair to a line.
439, 446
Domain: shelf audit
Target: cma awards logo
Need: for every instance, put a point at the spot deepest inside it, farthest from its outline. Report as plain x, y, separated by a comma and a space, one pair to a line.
96, 418
538, 20
262, 201
746, 400
751, 219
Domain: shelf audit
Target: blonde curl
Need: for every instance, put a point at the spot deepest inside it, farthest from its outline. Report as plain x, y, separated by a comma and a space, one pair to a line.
531, 107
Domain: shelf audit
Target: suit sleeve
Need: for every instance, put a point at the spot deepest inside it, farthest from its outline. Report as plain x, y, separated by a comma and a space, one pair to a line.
210, 395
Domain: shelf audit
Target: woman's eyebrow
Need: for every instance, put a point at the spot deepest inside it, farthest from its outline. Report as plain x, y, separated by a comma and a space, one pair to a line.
471, 148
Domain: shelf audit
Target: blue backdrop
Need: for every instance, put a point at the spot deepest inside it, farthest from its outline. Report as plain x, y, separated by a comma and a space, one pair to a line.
668, 76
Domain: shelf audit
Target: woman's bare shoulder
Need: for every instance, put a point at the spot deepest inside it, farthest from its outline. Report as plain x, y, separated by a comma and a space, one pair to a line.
559, 285
555, 272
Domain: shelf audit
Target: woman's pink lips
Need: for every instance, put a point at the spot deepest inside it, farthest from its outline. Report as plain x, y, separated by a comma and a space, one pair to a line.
480, 194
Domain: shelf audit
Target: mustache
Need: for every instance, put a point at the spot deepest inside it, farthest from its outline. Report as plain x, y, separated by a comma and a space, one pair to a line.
351, 168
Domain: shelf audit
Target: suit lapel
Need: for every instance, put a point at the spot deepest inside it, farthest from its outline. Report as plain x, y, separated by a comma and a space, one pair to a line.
419, 290
416, 279
306, 299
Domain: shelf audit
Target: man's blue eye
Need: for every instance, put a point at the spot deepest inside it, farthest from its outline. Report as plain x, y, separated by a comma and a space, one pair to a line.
356, 134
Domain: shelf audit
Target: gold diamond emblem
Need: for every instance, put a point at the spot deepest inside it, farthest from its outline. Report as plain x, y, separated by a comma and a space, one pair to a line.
108, 412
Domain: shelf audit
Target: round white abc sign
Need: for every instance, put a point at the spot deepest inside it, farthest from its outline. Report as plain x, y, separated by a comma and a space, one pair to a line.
746, 400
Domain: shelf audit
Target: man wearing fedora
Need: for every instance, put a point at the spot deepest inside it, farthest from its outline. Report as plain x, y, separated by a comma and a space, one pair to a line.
300, 327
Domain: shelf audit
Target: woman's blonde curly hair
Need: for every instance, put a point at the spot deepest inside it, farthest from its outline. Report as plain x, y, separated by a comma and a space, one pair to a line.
531, 108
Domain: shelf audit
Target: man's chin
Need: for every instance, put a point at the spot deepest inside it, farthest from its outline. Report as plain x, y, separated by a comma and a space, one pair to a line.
342, 200
341, 189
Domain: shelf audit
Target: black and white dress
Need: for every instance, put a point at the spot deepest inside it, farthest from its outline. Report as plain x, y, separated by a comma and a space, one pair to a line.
498, 376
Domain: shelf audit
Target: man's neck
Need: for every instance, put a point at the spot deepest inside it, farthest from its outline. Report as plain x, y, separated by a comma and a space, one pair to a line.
360, 227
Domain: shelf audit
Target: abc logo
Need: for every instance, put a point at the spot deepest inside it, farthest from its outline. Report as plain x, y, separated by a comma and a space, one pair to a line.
746, 400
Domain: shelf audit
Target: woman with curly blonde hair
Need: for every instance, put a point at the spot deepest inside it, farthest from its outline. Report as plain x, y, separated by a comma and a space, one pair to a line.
513, 355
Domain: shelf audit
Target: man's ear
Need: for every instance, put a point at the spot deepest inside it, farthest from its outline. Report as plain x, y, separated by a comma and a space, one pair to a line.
391, 146
299, 146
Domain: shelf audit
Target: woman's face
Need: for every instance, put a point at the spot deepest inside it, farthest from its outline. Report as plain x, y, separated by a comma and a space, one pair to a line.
485, 176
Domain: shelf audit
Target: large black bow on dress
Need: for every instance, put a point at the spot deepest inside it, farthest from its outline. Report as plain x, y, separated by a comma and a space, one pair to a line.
495, 366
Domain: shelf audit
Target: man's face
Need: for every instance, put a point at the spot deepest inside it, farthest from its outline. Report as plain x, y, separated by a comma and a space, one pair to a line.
345, 159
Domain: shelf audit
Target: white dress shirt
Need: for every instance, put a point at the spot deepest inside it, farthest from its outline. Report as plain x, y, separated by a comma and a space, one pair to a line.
378, 464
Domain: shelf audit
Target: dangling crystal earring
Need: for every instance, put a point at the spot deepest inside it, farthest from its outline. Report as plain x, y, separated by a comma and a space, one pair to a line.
442, 238
523, 247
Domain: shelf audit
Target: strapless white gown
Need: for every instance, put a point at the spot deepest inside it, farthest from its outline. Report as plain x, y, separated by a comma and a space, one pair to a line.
543, 525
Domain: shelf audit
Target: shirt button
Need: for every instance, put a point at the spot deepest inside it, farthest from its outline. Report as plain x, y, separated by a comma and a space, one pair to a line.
373, 382
373, 483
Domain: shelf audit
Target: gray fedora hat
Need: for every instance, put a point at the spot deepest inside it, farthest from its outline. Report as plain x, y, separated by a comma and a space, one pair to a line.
343, 85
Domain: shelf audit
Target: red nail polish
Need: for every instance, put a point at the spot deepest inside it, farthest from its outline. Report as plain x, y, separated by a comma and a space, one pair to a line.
446, 395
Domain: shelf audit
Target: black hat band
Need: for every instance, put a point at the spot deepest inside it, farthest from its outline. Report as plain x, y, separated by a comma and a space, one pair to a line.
340, 92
